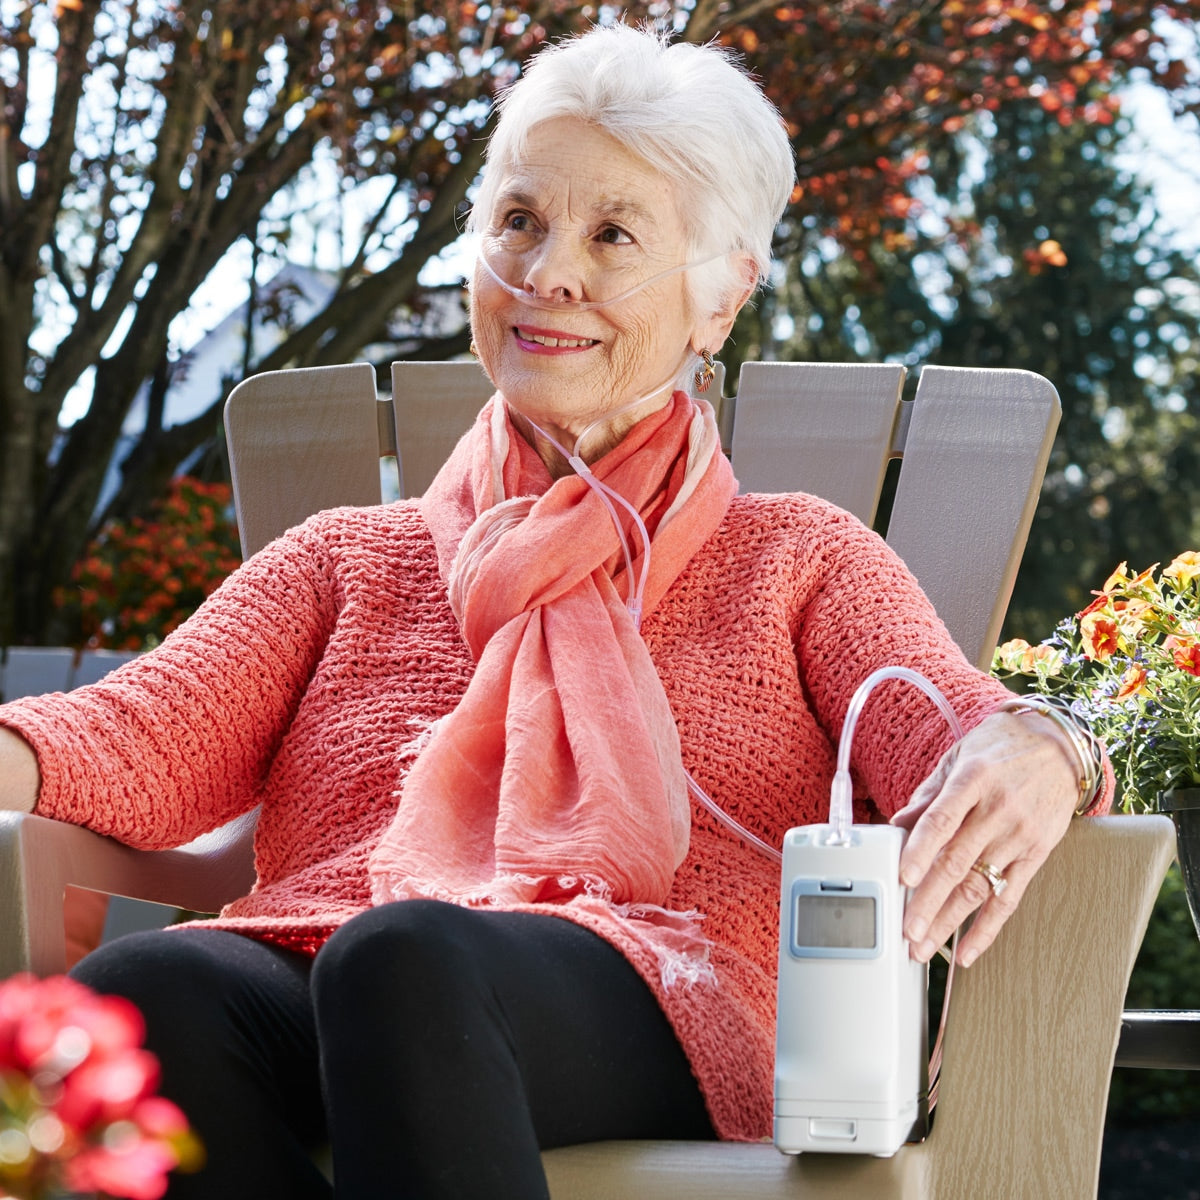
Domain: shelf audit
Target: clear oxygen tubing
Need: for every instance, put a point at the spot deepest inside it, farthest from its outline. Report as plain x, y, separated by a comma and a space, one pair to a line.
841, 816
634, 602
550, 305
733, 826
841, 792
574, 457
637, 588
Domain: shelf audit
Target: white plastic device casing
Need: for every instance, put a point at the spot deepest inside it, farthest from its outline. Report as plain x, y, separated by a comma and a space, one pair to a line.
851, 1053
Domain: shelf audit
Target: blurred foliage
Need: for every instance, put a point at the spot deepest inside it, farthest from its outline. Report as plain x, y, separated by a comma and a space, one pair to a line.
1166, 975
1070, 275
141, 578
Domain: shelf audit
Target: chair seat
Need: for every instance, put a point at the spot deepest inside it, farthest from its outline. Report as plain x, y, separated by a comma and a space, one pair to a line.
727, 1171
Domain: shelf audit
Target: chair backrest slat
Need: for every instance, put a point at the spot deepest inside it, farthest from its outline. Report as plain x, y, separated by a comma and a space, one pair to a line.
36, 670
435, 404
976, 451
33, 670
301, 441
824, 428
95, 664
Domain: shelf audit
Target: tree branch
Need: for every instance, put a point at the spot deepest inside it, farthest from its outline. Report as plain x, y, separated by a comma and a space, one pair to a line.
334, 334
75, 33
372, 226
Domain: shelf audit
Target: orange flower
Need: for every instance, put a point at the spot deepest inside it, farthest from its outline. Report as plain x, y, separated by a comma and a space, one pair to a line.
1117, 579
1121, 581
1101, 600
1021, 658
1048, 253
1012, 654
1048, 656
1133, 683
1186, 656
1131, 616
1099, 635
1184, 567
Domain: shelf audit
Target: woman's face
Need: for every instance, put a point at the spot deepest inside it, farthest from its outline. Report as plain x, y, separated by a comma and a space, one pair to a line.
583, 218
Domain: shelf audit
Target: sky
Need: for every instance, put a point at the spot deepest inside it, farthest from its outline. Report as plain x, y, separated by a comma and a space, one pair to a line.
1165, 153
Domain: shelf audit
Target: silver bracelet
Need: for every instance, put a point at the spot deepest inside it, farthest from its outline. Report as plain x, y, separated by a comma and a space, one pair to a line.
1088, 749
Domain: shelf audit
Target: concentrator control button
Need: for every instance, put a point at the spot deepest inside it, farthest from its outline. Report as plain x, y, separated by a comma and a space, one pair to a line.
832, 1128
837, 885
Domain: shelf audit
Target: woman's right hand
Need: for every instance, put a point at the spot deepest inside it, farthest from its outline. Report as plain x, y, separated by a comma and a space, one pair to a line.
20, 777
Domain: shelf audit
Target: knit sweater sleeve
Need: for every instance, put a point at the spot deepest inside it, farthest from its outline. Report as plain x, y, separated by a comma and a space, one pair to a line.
867, 612
176, 742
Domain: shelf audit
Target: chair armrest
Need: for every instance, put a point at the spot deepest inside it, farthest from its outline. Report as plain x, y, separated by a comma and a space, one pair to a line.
40, 858
1034, 1024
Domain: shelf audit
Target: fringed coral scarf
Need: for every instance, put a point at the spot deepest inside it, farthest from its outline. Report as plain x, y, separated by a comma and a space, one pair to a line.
559, 773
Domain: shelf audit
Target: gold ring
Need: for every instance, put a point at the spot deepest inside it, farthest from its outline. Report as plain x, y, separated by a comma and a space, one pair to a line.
995, 878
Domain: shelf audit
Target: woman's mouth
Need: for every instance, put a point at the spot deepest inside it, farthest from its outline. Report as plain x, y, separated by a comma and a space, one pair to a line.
541, 340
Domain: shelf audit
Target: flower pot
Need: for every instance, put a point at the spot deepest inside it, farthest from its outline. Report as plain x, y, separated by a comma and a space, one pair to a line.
1183, 807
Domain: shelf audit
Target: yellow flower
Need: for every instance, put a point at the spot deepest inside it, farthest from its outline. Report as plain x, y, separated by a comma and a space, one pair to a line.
1019, 657
1184, 567
1117, 579
1131, 617
1046, 655
1011, 654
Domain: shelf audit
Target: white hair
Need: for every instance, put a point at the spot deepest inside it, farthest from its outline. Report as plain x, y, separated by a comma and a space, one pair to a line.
690, 112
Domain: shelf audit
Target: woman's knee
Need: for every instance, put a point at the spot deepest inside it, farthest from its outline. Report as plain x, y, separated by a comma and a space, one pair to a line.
410, 950
188, 982
155, 970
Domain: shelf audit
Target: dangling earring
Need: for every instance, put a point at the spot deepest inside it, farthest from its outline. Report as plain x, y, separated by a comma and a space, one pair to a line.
705, 374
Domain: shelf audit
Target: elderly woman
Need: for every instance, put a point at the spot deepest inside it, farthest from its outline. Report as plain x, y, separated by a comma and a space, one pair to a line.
489, 917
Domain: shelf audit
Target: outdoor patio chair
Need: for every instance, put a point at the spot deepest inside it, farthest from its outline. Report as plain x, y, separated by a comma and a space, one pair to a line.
1033, 1025
32, 670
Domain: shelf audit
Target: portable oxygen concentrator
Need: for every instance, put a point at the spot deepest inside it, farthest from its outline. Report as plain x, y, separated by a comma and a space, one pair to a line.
851, 1034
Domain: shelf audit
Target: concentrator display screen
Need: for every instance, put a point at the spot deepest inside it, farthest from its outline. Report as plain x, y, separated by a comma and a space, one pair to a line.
834, 922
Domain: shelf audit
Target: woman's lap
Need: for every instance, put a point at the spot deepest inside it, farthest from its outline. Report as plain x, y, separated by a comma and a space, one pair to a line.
453, 1044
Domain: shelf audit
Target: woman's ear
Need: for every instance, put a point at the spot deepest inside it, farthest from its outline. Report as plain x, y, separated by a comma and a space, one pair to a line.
710, 333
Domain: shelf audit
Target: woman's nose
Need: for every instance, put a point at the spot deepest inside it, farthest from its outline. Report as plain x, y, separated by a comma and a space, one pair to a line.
556, 271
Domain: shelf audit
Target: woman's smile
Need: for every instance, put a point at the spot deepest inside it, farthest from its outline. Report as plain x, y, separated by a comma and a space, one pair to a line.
550, 341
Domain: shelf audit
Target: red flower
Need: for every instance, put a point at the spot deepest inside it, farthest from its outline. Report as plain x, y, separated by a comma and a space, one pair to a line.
141, 578
131, 1166
77, 1096
107, 1088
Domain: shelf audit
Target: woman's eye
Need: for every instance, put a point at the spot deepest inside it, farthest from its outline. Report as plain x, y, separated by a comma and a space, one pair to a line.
517, 222
613, 236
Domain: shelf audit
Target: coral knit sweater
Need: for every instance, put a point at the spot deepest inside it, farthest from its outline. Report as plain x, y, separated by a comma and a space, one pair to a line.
305, 681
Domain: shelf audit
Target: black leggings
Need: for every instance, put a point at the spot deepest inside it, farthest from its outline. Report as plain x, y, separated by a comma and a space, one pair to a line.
437, 1048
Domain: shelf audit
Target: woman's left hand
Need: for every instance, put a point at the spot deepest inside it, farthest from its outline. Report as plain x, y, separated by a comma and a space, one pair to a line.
1002, 796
